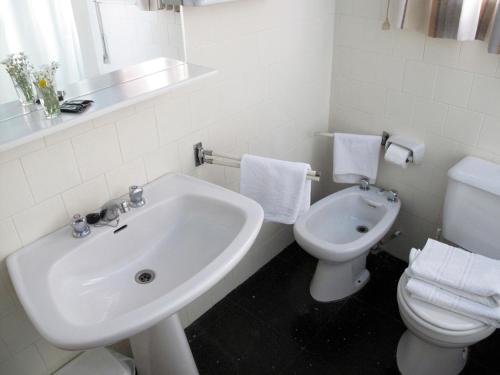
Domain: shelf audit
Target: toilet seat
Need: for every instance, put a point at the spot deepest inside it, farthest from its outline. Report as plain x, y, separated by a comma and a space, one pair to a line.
437, 324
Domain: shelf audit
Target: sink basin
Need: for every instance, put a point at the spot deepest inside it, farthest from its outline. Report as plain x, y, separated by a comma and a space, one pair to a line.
122, 281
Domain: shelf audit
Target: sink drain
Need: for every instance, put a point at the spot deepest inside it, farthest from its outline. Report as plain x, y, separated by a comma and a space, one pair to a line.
362, 229
145, 276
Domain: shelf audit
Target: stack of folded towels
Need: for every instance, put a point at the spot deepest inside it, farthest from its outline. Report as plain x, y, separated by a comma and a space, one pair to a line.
456, 280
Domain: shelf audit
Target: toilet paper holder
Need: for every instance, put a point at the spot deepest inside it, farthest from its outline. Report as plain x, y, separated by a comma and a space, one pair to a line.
417, 149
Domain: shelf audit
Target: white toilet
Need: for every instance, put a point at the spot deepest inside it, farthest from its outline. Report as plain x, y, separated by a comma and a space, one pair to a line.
340, 230
436, 340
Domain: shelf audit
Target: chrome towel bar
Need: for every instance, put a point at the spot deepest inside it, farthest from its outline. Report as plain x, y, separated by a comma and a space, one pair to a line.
202, 156
385, 136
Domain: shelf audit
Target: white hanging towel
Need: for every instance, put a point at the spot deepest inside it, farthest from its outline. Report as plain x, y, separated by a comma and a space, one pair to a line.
449, 301
355, 157
459, 271
280, 187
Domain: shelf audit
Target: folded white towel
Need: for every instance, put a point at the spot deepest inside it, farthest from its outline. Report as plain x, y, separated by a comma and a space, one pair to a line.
453, 302
458, 270
280, 187
354, 157
487, 301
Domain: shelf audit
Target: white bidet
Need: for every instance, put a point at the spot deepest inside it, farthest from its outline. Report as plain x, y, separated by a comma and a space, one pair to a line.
339, 230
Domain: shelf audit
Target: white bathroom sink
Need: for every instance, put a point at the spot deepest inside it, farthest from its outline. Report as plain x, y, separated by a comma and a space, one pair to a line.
83, 293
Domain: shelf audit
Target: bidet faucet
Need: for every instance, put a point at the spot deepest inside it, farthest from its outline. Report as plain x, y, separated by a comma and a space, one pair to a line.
392, 196
364, 184
135, 195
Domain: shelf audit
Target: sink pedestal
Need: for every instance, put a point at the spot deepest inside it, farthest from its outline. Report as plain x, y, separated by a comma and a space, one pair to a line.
163, 350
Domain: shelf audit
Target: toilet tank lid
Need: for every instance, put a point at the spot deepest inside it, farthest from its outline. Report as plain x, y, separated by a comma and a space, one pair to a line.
478, 173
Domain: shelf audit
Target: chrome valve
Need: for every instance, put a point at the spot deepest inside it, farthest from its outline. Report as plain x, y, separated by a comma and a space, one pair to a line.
135, 196
80, 227
392, 196
364, 184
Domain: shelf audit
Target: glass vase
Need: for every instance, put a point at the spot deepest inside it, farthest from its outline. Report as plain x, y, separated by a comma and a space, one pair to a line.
24, 88
47, 94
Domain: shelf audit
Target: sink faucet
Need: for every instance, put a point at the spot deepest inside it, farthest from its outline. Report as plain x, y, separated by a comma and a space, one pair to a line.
135, 195
110, 211
80, 226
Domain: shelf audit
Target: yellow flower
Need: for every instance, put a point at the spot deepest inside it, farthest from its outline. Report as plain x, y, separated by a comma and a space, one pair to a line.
42, 83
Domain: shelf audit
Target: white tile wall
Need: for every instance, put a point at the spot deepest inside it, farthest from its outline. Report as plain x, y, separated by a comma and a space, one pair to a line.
272, 94
443, 92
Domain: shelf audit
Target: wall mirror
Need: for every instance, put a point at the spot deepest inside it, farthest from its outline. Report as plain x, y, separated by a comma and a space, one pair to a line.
88, 39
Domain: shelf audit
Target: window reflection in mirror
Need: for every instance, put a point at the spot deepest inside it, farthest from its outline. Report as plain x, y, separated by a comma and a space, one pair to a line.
87, 38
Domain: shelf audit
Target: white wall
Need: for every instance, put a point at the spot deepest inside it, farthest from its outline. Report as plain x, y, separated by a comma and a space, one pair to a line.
443, 92
272, 93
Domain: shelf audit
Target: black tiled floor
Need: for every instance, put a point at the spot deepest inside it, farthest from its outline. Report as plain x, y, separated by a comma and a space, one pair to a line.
271, 325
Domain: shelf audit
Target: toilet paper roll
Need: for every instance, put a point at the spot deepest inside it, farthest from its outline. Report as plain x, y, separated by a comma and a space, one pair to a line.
398, 155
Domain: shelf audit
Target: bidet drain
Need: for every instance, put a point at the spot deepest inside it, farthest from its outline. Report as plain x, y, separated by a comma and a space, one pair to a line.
145, 276
362, 229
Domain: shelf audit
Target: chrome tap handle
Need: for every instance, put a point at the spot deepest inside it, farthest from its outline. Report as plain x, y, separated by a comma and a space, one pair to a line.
135, 196
80, 227
392, 196
364, 184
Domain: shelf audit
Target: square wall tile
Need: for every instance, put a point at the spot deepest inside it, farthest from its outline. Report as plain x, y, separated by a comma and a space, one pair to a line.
429, 116
112, 117
162, 161
29, 362
390, 71
453, 86
97, 151
138, 134
15, 194
17, 331
4, 356
129, 174
53, 357
204, 106
399, 107
370, 98
463, 126
68, 133
489, 138
409, 44
364, 65
173, 118
485, 96
420, 78
36, 222
9, 240
51, 170
474, 57
442, 51
86, 197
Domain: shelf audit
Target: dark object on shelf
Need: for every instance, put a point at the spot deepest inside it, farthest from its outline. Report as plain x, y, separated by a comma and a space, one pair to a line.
93, 218
75, 106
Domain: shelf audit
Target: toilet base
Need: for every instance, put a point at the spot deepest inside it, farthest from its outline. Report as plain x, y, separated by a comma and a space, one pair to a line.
335, 281
418, 357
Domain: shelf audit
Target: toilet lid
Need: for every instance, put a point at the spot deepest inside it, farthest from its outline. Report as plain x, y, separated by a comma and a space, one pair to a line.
437, 316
